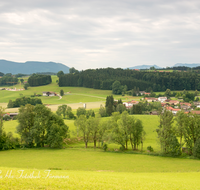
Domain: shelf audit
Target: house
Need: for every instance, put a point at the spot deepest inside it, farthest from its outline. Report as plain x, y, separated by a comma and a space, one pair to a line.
142, 92
173, 110
154, 113
162, 99
147, 93
11, 115
163, 104
128, 105
151, 99
185, 103
49, 94
195, 112
196, 103
173, 102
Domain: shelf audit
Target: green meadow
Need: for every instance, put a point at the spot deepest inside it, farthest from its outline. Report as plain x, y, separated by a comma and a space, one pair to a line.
75, 167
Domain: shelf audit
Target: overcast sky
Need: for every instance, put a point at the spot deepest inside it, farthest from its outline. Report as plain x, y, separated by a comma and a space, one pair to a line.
101, 33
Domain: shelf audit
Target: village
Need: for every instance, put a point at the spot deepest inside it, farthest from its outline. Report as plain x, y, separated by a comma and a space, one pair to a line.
171, 105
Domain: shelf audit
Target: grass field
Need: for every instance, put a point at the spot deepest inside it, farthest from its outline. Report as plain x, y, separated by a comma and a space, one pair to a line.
90, 169
77, 95
97, 180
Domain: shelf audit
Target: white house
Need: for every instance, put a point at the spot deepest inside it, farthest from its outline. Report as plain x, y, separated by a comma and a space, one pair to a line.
162, 99
130, 104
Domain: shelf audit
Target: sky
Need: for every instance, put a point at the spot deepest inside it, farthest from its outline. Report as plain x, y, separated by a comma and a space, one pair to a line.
101, 33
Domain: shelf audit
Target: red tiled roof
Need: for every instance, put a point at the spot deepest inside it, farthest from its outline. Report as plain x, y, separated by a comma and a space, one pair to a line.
195, 112
185, 103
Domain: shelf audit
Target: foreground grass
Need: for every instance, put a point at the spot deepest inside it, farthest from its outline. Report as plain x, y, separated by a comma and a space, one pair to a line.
94, 160
97, 180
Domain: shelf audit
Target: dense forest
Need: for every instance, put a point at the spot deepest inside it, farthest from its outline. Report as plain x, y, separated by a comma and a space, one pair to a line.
157, 81
39, 80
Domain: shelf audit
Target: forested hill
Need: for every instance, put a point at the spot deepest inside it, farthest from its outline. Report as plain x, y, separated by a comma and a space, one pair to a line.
31, 67
157, 81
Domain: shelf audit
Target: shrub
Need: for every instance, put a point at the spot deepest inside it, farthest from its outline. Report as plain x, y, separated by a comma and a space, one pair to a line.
6, 118
149, 148
105, 147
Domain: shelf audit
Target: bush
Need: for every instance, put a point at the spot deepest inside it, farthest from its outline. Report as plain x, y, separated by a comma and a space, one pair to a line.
71, 116
149, 148
6, 118
196, 150
105, 147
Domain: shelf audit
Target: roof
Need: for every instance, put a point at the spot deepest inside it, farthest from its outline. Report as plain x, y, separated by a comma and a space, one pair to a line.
172, 109
195, 112
185, 103
151, 98
162, 97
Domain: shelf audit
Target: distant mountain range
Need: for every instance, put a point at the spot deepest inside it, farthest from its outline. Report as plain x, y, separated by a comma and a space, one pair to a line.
157, 67
144, 67
30, 67
187, 65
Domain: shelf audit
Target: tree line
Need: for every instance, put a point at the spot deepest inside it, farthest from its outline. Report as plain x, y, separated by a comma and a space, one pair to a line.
23, 101
39, 80
157, 81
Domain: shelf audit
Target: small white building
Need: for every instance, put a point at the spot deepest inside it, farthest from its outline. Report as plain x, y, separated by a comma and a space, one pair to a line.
162, 99
128, 105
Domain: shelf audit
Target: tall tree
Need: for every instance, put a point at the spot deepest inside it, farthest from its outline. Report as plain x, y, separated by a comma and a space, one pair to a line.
40, 126
191, 130
62, 110
165, 130
117, 87
62, 92
83, 128
109, 105
26, 122
60, 73
180, 120
93, 124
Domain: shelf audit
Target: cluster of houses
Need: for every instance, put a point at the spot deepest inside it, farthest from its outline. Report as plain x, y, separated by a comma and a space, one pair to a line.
172, 105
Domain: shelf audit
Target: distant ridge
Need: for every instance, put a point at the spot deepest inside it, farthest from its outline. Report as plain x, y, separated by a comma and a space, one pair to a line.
144, 67
187, 65
31, 67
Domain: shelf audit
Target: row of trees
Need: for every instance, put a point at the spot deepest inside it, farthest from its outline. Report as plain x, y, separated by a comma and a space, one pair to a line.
120, 128
23, 101
187, 130
39, 80
157, 81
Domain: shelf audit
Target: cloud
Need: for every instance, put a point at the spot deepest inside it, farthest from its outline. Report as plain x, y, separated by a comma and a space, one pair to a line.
99, 33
